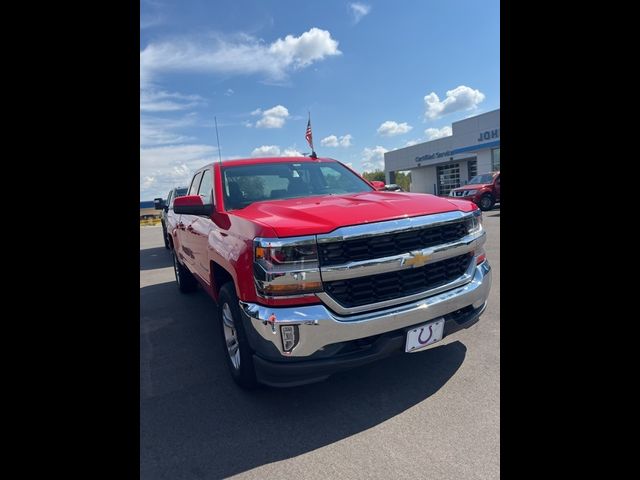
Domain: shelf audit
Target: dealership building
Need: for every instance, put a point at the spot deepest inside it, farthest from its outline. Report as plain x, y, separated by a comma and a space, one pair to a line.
446, 163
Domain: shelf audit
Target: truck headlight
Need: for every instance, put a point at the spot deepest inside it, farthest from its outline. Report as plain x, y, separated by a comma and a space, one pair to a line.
470, 192
474, 223
286, 266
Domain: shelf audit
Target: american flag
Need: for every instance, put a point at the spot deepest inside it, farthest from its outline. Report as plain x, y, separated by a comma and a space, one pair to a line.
308, 135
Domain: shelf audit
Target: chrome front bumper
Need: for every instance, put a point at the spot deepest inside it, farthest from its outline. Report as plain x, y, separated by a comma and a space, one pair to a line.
318, 326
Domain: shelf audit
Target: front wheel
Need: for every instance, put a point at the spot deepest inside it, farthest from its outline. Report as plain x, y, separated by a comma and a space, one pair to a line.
486, 202
238, 353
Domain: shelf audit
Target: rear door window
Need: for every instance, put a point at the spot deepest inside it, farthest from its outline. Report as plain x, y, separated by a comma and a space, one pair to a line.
206, 188
195, 183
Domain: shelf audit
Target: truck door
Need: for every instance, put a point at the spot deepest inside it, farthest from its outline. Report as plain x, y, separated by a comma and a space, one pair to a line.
185, 248
201, 227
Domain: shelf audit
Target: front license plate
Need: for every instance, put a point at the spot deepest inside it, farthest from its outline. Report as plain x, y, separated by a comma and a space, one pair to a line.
424, 335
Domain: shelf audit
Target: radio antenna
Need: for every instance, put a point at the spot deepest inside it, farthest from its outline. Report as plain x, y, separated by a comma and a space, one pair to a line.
218, 138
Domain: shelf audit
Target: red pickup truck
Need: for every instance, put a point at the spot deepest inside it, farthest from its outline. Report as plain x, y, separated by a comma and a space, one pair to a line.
314, 271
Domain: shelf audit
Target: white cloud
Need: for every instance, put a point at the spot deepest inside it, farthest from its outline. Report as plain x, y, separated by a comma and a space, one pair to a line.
460, 98
162, 101
330, 141
334, 141
162, 131
266, 151
229, 92
345, 141
169, 156
162, 168
275, 151
391, 128
291, 152
359, 10
411, 143
147, 182
237, 55
433, 133
373, 158
272, 118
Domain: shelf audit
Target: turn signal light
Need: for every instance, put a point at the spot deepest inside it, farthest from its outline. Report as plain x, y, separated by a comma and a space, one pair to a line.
292, 288
481, 258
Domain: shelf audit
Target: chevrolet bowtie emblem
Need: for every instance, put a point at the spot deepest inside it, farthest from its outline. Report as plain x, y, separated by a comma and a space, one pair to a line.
417, 259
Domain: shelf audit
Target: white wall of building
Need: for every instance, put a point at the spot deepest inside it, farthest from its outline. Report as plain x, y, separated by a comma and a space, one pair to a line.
484, 161
422, 179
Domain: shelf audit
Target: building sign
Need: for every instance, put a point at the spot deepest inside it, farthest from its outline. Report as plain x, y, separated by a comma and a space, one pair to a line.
431, 156
493, 134
489, 135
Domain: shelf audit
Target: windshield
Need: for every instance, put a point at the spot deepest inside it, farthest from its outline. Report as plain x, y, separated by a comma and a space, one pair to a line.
246, 184
485, 178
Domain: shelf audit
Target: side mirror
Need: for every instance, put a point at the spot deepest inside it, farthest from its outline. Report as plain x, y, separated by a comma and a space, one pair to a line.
158, 203
191, 205
378, 185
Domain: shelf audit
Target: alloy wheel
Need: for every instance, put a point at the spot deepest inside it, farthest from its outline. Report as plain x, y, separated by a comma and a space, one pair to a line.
231, 336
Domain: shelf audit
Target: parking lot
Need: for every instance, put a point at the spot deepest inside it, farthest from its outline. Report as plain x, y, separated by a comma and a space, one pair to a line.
433, 414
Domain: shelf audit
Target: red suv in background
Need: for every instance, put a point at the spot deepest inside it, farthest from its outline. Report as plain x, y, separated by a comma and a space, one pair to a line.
483, 190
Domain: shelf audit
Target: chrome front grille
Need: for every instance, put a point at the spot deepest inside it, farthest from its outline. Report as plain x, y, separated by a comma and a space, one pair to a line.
355, 292
386, 245
371, 266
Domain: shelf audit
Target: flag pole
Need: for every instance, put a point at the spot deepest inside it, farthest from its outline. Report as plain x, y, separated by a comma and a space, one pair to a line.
309, 137
218, 138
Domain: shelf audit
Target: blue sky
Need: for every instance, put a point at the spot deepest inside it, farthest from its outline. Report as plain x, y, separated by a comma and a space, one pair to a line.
376, 76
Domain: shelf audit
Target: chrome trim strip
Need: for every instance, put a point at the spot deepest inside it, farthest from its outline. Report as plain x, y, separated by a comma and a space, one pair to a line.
318, 326
281, 242
376, 266
393, 226
333, 304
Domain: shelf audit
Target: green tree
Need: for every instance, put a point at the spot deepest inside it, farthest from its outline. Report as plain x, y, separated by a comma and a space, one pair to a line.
375, 175
403, 180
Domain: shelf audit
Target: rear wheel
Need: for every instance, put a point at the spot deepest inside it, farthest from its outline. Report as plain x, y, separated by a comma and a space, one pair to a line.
185, 279
238, 353
164, 237
486, 202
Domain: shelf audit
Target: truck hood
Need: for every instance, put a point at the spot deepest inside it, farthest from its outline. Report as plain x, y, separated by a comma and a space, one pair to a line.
323, 214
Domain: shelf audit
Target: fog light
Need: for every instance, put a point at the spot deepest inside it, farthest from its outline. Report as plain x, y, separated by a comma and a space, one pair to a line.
289, 337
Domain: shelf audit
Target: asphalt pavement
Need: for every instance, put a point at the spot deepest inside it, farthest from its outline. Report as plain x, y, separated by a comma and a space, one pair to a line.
434, 414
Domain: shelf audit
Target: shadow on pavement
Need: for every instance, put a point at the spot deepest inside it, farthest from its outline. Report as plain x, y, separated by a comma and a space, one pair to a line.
195, 422
152, 258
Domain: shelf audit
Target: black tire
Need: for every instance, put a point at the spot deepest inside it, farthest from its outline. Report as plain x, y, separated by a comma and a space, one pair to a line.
164, 237
244, 373
184, 278
486, 202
